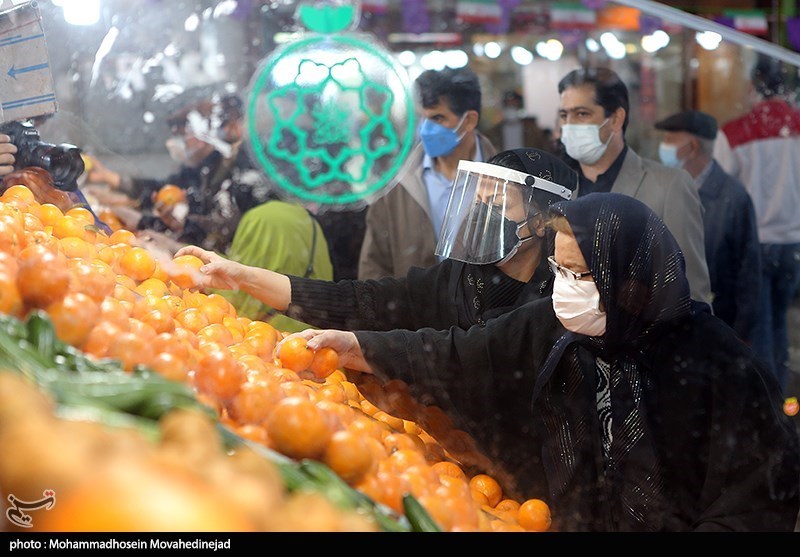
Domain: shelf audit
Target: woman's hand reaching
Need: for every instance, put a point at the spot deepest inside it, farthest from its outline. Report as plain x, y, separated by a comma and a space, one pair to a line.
217, 272
344, 343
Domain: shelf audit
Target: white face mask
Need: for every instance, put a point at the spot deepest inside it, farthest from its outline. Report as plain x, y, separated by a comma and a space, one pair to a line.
176, 147
582, 141
577, 306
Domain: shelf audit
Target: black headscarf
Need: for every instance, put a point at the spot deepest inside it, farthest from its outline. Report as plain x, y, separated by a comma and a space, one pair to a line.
639, 271
485, 290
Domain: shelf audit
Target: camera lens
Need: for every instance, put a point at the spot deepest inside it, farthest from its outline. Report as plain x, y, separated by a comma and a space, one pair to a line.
63, 162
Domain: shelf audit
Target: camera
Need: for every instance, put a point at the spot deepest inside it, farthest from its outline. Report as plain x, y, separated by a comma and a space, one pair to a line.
63, 161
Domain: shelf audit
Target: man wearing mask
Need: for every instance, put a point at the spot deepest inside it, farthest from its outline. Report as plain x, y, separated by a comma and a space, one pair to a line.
516, 129
219, 179
403, 226
593, 114
731, 234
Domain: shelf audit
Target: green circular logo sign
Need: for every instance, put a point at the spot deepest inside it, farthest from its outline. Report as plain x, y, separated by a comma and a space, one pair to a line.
330, 119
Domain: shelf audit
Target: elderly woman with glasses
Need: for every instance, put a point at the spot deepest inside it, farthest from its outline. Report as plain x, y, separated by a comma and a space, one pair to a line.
647, 412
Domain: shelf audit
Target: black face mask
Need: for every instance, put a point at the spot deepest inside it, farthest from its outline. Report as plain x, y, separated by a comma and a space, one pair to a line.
492, 238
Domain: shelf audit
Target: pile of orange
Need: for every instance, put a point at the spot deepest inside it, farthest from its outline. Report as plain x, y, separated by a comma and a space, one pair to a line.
114, 299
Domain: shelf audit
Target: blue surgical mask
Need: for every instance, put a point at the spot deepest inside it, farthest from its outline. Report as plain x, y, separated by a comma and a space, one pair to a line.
668, 154
438, 140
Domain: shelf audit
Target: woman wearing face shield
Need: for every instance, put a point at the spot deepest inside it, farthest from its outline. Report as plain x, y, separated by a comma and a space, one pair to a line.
647, 413
503, 267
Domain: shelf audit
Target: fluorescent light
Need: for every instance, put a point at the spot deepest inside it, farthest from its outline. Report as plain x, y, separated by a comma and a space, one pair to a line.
81, 12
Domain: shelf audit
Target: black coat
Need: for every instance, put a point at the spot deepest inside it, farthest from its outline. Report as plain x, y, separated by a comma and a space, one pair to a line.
695, 434
450, 293
732, 251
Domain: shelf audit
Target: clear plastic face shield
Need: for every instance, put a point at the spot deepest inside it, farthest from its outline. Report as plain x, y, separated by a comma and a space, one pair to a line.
489, 208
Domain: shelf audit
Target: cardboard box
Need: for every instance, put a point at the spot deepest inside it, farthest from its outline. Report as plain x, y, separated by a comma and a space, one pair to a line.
26, 81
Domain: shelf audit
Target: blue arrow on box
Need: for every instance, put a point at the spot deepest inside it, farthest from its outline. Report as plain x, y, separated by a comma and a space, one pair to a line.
13, 72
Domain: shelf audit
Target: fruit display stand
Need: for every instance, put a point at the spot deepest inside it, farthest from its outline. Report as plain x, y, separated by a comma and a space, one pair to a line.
152, 391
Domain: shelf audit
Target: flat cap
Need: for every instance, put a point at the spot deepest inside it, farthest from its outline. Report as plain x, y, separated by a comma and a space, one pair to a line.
692, 121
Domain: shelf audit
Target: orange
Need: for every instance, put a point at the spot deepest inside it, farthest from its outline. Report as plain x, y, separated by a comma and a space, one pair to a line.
534, 515
49, 214
508, 505
110, 219
349, 455
298, 429
143, 330
212, 310
184, 270
43, 276
222, 302
75, 226
448, 468
137, 263
170, 366
169, 342
18, 191
100, 338
81, 213
192, 319
254, 402
74, 247
93, 278
170, 194
112, 310
160, 321
325, 362
151, 287
11, 238
73, 317
219, 374
295, 354
131, 349
10, 298
216, 332
487, 485
122, 236
138, 495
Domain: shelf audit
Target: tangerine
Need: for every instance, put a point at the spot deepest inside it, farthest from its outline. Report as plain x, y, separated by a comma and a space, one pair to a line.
73, 317
295, 354
534, 515
184, 270
325, 362
219, 374
170, 194
298, 429
137, 263
488, 486
349, 455
43, 276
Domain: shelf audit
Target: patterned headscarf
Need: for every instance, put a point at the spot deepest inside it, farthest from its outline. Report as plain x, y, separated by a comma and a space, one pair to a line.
639, 271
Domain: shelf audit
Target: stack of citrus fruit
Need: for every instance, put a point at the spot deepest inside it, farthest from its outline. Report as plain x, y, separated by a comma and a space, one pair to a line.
112, 298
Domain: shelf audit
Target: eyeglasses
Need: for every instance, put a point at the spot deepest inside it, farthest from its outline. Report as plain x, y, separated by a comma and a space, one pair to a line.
564, 272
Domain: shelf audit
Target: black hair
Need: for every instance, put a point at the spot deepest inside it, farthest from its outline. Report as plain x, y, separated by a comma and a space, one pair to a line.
610, 91
459, 88
768, 77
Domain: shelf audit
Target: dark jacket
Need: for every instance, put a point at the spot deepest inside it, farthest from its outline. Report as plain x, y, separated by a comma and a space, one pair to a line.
450, 293
218, 191
732, 250
694, 437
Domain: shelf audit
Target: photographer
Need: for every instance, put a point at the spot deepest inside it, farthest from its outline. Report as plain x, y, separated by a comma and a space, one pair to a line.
7, 150
219, 180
